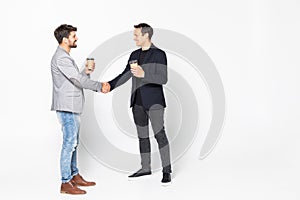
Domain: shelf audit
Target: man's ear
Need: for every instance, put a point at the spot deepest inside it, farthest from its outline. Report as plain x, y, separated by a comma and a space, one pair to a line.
65, 40
147, 35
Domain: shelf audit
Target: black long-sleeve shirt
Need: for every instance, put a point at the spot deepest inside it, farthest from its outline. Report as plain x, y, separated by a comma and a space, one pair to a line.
138, 98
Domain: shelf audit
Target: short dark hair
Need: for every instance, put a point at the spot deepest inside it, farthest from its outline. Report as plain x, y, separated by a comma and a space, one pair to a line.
145, 29
62, 31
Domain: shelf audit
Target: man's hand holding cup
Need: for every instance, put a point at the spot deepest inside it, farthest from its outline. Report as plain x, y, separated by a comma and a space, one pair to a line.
89, 65
136, 70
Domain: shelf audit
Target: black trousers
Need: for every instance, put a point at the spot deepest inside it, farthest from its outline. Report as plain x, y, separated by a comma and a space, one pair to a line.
141, 118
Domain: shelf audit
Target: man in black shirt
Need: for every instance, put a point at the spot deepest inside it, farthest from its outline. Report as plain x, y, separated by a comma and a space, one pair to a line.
147, 98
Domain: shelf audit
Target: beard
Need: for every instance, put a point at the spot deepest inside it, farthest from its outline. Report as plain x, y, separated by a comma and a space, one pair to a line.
73, 45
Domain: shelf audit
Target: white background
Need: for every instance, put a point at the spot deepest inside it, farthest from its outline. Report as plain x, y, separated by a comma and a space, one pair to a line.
255, 47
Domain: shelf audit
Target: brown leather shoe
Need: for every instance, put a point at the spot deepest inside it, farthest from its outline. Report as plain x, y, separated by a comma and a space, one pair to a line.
79, 181
70, 188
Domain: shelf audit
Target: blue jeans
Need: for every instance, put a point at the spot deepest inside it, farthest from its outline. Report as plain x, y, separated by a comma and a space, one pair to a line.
70, 123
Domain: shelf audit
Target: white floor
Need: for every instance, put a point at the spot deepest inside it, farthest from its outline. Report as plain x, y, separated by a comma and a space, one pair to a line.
231, 172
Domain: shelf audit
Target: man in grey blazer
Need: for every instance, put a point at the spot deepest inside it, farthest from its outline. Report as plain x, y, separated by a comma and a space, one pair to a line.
68, 101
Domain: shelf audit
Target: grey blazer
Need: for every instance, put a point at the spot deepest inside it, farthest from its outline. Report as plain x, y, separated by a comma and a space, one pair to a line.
68, 83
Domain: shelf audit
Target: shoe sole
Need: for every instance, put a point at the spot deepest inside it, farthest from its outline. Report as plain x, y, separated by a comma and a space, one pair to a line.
63, 192
166, 184
139, 177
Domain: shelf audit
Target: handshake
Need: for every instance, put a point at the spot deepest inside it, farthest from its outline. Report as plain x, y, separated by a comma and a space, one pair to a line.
105, 87
135, 69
